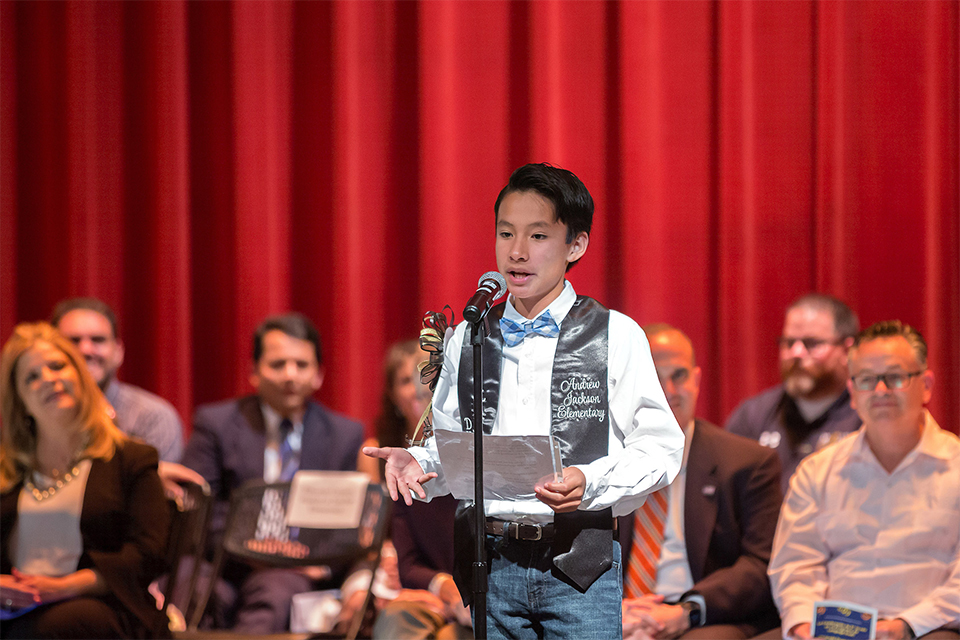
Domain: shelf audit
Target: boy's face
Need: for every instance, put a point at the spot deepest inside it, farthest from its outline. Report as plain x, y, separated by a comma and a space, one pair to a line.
532, 250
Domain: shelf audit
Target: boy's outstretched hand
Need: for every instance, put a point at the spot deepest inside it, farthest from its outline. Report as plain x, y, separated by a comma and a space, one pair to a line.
402, 472
563, 496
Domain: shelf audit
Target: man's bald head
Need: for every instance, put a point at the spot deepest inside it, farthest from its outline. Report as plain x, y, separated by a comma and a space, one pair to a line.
674, 358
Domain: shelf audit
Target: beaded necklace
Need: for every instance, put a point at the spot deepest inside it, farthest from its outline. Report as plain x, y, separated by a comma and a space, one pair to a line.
41, 495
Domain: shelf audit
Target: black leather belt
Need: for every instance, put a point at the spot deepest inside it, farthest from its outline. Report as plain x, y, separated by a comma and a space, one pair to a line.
520, 530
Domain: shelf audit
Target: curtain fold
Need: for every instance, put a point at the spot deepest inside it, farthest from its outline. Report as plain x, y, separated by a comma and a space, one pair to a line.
200, 165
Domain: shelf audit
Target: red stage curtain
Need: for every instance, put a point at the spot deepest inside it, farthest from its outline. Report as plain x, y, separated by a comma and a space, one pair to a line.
200, 165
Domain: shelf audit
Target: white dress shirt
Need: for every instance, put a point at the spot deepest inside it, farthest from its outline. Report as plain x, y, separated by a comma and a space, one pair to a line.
851, 531
272, 462
674, 577
645, 444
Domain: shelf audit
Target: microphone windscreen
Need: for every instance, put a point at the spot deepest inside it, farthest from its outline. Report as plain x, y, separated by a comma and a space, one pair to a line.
496, 277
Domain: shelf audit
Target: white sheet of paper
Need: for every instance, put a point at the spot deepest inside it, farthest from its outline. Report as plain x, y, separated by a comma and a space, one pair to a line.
512, 465
327, 499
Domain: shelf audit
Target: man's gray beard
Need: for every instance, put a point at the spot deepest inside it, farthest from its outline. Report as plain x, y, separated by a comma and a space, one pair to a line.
804, 386
800, 385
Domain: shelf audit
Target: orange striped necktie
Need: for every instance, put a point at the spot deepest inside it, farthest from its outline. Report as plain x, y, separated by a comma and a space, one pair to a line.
648, 524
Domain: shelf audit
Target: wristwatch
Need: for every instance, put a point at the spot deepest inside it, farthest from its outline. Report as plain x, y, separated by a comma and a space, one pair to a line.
694, 612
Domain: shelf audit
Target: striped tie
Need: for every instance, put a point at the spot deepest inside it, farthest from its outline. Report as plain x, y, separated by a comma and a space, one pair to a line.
648, 523
272, 522
289, 451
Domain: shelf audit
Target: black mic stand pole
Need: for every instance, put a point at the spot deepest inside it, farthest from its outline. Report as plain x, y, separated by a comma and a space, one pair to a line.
480, 559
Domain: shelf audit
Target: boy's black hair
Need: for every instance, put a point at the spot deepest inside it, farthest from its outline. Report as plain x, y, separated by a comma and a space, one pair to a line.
295, 325
571, 200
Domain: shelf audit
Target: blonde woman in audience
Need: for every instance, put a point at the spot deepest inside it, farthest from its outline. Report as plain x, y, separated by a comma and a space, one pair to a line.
83, 518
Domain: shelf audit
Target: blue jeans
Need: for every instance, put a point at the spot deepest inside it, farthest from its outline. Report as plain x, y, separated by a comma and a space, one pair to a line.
527, 599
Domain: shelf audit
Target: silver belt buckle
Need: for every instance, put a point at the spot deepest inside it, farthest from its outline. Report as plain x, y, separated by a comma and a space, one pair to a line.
537, 528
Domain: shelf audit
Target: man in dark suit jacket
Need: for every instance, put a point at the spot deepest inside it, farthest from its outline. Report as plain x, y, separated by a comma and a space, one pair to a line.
711, 578
269, 436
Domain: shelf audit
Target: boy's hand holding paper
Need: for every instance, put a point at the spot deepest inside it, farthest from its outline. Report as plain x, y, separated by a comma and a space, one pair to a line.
566, 495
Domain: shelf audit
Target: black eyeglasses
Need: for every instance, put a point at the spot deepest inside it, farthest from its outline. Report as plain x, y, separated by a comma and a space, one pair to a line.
894, 380
809, 344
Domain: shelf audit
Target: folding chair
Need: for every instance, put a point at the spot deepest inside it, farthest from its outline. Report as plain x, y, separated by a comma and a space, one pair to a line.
255, 533
188, 535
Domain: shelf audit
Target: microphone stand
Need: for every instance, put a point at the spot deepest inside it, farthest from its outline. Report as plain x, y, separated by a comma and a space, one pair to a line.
480, 560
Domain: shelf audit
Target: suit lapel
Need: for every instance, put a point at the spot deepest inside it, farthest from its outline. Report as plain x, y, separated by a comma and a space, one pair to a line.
316, 427
700, 501
251, 437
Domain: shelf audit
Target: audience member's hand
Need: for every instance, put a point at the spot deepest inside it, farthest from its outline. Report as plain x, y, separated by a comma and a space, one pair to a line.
15, 594
655, 618
563, 496
643, 603
44, 589
317, 572
895, 629
638, 613
425, 599
633, 624
173, 475
635, 632
673, 620
455, 611
386, 584
47, 588
402, 473
350, 605
800, 631
390, 565
460, 614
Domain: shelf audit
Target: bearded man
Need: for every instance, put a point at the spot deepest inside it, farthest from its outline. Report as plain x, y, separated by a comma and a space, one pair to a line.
811, 407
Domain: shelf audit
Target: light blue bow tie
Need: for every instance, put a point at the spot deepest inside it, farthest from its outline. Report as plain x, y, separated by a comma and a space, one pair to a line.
515, 332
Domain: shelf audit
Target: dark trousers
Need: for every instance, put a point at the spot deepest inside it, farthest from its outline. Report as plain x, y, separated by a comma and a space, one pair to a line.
75, 618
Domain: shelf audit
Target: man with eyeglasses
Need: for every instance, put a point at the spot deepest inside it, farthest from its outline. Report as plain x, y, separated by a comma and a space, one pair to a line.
875, 518
811, 407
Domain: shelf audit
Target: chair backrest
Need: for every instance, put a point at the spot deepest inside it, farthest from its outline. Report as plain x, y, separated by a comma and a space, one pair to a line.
188, 534
257, 532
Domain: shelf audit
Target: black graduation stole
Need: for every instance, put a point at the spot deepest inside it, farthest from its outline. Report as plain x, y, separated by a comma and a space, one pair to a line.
579, 414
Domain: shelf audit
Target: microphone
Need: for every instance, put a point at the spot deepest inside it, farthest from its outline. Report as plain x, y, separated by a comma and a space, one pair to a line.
490, 287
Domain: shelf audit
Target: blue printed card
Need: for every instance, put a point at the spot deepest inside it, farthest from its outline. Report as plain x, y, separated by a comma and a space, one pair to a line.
835, 620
